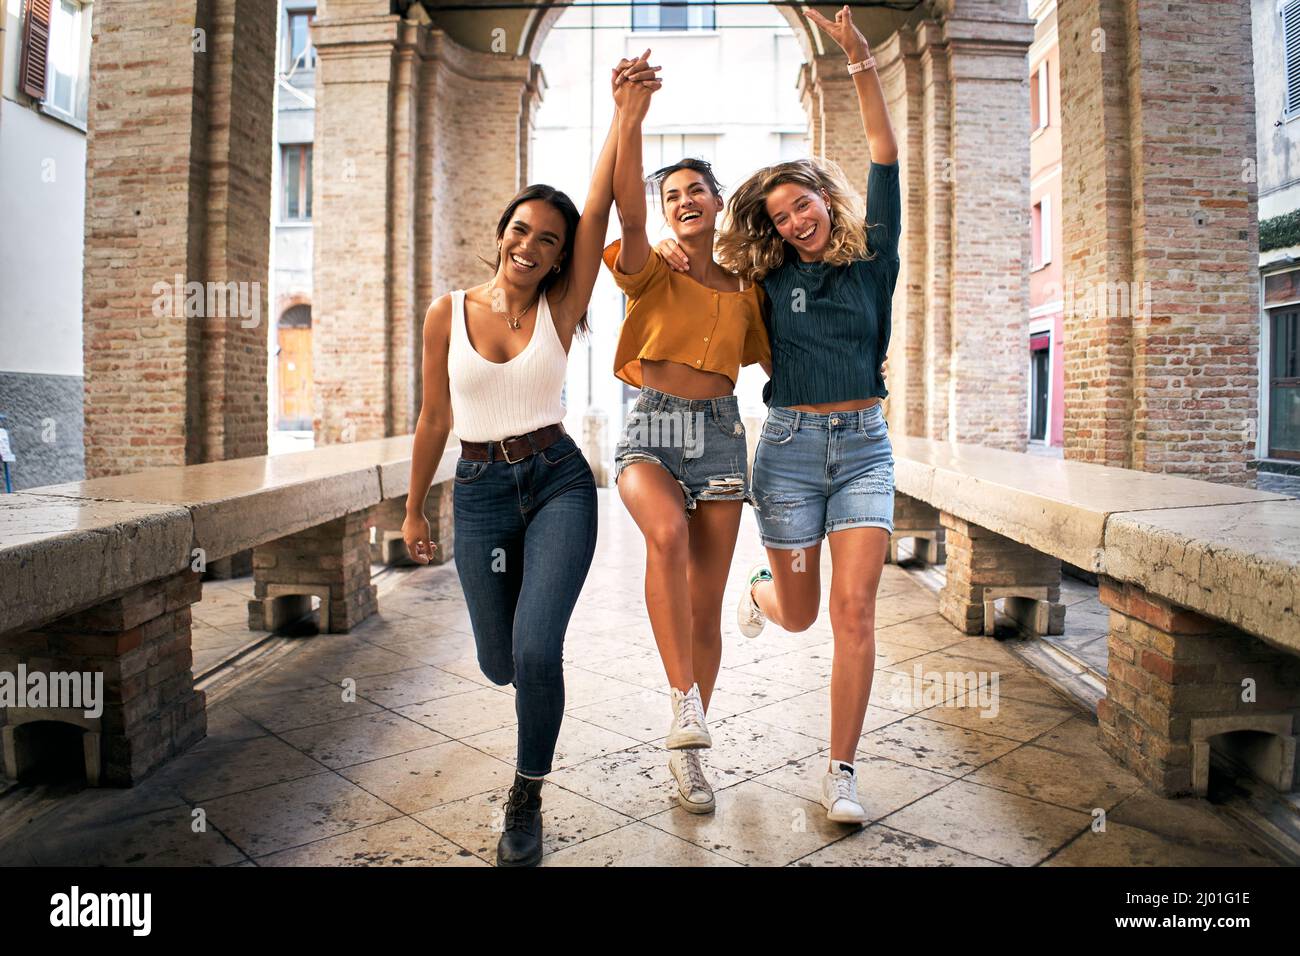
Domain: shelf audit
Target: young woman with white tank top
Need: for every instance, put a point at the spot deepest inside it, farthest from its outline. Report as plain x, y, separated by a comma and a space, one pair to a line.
524, 497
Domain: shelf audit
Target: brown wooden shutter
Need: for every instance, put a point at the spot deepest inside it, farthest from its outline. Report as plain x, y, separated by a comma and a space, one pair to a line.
36, 46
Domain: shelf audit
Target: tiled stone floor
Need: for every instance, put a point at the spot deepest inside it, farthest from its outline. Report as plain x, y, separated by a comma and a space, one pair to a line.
415, 769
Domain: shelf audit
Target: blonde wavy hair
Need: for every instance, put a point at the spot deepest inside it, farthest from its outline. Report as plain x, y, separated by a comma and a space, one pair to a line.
748, 243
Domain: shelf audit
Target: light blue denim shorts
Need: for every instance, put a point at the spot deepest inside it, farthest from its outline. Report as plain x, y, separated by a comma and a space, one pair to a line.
699, 441
814, 474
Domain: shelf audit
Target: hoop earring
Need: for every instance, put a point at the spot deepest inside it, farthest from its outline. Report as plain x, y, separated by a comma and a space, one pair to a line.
555, 268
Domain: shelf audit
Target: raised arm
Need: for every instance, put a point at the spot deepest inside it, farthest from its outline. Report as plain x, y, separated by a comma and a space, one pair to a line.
431, 430
871, 97
633, 101
589, 239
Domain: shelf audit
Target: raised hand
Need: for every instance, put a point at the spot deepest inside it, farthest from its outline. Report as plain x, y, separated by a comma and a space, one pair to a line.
633, 82
844, 32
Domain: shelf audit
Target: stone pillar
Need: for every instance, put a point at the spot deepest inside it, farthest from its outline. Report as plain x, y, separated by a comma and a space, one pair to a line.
178, 191
330, 561
988, 112
408, 124
935, 227
139, 644
363, 79
984, 566
899, 67
1177, 679
839, 133
1097, 229
1161, 236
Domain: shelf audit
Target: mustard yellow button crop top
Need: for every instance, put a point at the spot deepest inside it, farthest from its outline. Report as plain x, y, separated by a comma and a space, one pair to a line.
673, 318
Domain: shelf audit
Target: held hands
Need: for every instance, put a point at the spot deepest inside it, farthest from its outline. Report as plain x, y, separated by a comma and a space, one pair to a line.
419, 545
844, 32
633, 82
677, 260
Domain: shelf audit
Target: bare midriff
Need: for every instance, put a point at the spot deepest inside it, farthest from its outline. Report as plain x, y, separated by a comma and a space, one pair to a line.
853, 406
674, 378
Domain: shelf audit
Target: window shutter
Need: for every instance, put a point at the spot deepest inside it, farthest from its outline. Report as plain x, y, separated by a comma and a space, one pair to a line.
1291, 33
36, 45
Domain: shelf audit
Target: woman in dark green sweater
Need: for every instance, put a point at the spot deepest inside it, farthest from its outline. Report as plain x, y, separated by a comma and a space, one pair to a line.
824, 467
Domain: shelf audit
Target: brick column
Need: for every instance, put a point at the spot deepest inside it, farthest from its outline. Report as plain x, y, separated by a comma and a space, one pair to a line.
989, 301
409, 183
140, 643
330, 561
1153, 125
178, 184
1097, 226
1176, 679
935, 226
983, 566
899, 67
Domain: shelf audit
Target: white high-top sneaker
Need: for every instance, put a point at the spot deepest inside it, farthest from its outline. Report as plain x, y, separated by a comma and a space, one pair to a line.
693, 790
840, 794
749, 616
688, 730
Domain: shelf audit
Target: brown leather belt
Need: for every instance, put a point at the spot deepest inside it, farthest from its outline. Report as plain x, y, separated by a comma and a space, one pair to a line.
513, 449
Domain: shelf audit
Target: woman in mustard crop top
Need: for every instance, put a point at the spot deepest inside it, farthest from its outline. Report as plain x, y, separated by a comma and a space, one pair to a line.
682, 454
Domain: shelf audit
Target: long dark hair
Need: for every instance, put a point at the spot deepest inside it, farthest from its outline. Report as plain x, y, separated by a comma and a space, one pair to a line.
562, 204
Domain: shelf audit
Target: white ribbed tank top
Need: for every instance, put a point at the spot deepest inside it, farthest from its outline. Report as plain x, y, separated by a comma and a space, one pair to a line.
495, 400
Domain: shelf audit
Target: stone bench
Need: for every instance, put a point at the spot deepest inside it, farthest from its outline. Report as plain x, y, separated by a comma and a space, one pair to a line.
98, 576
1202, 581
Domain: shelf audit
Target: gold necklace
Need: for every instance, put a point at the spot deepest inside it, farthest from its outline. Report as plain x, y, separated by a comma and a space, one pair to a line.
514, 320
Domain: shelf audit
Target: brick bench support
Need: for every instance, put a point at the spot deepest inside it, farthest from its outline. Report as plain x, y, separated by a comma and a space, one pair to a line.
915, 519
330, 561
390, 548
1177, 679
984, 566
141, 642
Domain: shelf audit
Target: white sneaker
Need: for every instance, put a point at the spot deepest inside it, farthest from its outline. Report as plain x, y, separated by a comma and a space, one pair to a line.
749, 617
840, 795
693, 790
688, 731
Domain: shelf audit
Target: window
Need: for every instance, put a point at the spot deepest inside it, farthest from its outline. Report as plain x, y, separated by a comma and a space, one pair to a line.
651, 15
1041, 221
1039, 113
1291, 56
299, 54
1040, 384
55, 66
1284, 382
295, 180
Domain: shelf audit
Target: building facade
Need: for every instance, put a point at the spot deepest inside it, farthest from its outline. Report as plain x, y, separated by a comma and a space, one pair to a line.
1276, 35
44, 94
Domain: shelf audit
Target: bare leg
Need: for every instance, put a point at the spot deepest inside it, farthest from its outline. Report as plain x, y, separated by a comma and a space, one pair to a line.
713, 530
857, 561
654, 499
794, 594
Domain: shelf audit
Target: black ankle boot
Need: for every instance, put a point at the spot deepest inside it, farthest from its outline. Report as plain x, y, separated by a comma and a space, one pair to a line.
521, 840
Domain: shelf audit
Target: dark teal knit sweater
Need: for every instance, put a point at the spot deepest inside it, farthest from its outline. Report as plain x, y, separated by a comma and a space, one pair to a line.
829, 325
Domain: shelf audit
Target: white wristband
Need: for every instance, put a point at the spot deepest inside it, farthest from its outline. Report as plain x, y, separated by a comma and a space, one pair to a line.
866, 64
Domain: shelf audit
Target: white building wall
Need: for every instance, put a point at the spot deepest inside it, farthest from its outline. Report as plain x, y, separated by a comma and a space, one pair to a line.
736, 83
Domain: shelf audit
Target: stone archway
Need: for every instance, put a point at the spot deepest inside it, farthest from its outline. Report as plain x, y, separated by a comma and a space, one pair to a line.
956, 86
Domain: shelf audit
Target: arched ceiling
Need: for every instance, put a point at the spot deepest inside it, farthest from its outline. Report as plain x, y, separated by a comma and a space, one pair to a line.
521, 25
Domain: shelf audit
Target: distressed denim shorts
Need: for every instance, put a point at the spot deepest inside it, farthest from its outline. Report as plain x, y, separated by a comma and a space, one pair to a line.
814, 474
699, 441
